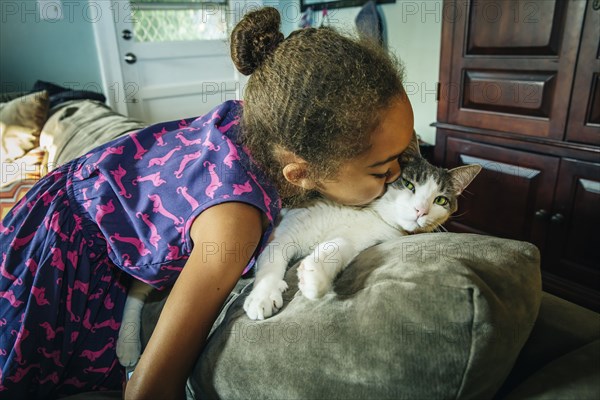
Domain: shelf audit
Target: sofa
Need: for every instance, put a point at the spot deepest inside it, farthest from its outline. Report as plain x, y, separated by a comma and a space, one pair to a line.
440, 315
429, 316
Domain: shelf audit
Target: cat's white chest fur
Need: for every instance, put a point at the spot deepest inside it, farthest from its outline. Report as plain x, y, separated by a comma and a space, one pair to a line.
325, 221
328, 236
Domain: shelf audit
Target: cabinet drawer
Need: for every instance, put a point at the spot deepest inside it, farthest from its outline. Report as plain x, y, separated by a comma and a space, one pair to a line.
504, 199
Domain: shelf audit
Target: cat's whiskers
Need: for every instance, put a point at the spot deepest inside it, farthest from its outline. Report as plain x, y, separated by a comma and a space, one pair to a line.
438, 228
459, 215
465, 191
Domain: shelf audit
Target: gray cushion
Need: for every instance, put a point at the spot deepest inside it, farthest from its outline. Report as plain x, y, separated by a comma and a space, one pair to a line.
426, 316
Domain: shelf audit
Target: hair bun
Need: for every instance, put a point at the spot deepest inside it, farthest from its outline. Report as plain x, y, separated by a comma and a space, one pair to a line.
255, 38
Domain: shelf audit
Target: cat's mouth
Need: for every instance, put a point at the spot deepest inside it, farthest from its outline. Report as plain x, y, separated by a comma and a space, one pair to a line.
409, 225
414, 225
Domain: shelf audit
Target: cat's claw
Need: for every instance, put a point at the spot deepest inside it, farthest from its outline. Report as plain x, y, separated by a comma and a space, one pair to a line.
265, 299
129, 349
313, 280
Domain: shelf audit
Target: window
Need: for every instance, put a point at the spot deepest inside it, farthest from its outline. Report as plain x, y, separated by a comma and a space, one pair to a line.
173, 20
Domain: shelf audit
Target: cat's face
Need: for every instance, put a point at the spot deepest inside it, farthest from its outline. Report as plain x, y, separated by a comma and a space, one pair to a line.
424, 196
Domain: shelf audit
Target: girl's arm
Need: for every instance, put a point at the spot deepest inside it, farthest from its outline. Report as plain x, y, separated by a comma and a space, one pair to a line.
225, 237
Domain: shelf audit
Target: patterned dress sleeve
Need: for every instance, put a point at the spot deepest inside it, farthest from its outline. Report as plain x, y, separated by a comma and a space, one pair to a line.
144, 190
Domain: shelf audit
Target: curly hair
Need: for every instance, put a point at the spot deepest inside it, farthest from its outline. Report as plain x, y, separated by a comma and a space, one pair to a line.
316, 93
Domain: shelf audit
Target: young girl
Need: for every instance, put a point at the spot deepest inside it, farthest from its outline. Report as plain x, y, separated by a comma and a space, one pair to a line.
189, 203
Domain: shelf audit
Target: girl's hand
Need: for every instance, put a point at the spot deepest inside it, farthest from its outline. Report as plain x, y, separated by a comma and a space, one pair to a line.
225, 236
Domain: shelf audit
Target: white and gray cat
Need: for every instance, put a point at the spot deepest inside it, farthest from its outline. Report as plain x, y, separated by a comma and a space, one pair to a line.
329, 236
420, 201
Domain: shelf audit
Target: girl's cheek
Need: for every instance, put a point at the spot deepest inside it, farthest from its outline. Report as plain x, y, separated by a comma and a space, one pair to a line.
372, 191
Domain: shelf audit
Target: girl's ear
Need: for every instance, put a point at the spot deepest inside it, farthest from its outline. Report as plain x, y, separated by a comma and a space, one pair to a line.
297, 174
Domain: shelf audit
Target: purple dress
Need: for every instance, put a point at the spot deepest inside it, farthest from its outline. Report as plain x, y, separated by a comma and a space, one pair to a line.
123, 210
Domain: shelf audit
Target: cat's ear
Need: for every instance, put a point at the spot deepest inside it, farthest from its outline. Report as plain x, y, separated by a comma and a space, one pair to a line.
412, 152
413, 146
297, 173
463, 176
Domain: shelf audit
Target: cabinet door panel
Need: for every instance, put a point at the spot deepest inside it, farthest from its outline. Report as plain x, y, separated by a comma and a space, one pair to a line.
519, 28
512, 65
574, 247
584, 117
504, 198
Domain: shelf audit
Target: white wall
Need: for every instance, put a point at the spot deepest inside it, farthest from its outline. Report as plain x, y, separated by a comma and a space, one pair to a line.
61, 51
412, 33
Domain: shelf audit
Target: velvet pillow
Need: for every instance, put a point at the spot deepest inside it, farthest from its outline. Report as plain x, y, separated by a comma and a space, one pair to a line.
78, 126
21, 122
430, 316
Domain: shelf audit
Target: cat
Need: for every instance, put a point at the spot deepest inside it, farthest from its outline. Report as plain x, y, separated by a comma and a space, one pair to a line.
421, 200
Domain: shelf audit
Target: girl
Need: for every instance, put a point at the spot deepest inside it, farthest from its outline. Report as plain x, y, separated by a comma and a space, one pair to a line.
189, 203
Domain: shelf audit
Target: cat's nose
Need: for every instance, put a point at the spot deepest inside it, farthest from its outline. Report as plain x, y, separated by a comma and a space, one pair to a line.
421, 211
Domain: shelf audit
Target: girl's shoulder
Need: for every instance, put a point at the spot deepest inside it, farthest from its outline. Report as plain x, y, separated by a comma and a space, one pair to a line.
222, 117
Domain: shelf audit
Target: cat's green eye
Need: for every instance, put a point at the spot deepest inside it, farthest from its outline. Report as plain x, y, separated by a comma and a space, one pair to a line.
408, 184
441, 201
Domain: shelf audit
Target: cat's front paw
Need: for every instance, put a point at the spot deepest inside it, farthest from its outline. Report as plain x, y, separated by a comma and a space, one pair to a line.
313, 279
265, 299
129, 347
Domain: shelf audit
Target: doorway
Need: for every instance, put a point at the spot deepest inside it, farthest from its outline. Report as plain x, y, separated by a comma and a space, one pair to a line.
164, 60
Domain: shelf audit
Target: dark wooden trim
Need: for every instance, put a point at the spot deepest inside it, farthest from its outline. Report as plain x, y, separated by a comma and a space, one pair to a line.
587, 83
446, 50
522, 142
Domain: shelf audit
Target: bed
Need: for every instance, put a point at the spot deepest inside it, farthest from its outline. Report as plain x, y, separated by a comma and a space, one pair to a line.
437, 315
41, 131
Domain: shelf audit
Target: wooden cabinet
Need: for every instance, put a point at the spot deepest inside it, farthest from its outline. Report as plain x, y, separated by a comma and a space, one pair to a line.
519, 94
572, 254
